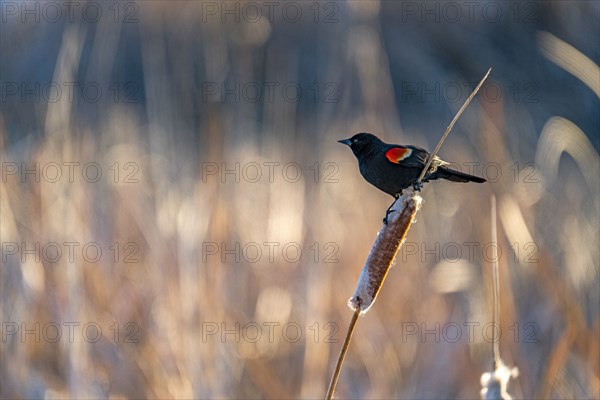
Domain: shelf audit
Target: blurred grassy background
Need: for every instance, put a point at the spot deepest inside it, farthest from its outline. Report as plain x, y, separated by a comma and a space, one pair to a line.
206, 296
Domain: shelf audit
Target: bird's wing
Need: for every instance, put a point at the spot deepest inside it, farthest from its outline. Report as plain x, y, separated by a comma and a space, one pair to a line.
407, 156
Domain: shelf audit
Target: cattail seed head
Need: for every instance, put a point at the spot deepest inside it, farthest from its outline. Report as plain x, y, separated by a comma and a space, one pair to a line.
387, 244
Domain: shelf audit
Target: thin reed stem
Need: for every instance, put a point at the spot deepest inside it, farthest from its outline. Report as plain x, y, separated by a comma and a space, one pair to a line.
496, 282
449, 128
342, 356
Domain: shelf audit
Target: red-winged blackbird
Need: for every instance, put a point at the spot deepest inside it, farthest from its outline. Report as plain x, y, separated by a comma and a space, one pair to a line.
393, 167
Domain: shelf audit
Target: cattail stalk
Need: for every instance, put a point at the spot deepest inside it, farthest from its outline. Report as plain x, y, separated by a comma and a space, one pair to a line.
342, 356
495, 383
388, 242
496, 283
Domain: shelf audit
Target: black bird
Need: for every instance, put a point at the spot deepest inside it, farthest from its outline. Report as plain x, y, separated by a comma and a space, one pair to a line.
393, 167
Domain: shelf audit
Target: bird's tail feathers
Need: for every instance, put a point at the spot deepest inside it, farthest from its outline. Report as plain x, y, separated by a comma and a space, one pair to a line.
457, 176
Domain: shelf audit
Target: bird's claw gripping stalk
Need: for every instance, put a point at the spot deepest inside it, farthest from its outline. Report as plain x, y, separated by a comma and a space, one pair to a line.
385, 219
389, 209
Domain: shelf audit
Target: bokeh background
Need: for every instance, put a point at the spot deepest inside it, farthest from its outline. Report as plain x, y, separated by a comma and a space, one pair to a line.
194, 145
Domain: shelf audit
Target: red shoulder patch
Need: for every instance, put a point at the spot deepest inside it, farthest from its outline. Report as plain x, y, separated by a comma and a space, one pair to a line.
397, 154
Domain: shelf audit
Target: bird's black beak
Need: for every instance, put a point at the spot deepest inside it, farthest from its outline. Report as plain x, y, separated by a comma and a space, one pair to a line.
347, 142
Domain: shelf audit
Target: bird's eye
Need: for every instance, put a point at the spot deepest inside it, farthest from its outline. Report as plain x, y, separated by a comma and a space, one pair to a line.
355, 141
